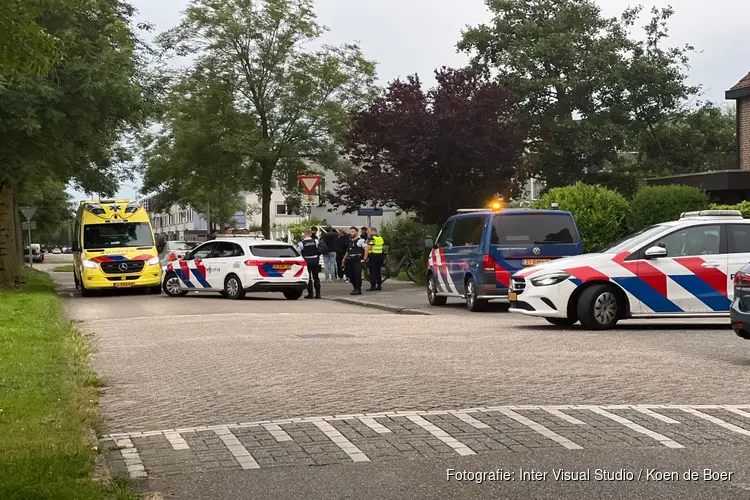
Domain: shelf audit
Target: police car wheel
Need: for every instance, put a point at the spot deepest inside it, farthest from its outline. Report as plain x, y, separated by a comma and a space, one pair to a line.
171, 286
432, 297
233, 287
293, 294
598, 308
472, 302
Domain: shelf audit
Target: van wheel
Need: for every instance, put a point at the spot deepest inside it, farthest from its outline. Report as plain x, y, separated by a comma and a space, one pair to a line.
562, 321
472, 302
432, 297
85, 292
171, 286
156, 290
233, 287
598, 308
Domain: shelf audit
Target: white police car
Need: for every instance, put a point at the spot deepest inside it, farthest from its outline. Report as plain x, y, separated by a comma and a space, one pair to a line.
682, 268
234, 266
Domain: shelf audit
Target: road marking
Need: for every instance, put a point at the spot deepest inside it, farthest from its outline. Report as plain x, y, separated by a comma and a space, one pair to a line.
717, 421
177, 442
374, 425
669, 443
243, 457
563, 416
132, 459
347, 446
655, 415
465, 417
443, 436
539, 428
277, 432
737, 411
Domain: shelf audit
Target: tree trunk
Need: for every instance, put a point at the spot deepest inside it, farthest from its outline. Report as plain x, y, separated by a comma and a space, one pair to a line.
266, 177
10, 264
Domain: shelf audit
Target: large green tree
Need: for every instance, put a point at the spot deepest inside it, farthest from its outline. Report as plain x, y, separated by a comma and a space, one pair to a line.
26, 46
592, 86
55, 210
297, 99
69, 123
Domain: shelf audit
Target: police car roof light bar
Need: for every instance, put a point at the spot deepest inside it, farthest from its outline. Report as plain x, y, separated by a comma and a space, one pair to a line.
711, 213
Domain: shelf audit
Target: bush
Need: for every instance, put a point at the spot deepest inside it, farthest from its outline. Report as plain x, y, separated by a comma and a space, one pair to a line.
743, 207
599, 212
404, 234
298, 228
655, 204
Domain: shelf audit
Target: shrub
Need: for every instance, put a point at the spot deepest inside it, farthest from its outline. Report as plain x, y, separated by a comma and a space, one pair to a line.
743, 207
404, 234
298, 228
599, 212
654, 204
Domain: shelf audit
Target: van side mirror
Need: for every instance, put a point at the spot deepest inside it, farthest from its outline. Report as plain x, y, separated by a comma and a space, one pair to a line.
655, 252
429, 243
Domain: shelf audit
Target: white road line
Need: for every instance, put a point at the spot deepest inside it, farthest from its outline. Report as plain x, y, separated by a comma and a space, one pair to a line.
347, 446
177, 442
565, 442
563, 416
132, 459
470, 420
374, 425
717, 421
737, 411
277, 432
651, 413
443, 436
669, 443
243, 457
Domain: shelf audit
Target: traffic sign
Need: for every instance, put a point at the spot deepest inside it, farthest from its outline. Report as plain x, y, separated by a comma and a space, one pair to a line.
370, 212
28, 211
311, 200
29, 226
309, 182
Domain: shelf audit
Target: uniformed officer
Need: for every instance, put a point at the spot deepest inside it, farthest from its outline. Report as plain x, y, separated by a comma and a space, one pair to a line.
375, 246
356, 253
308, 247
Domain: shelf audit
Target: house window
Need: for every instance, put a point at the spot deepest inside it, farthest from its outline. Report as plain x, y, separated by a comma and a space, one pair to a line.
281, 209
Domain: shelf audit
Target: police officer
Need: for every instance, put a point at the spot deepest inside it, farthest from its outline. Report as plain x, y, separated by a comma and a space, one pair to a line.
356, 253
308, 247
375, 245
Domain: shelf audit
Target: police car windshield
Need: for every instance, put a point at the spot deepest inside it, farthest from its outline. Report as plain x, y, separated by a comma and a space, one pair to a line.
114, 235
635, 240
274, 251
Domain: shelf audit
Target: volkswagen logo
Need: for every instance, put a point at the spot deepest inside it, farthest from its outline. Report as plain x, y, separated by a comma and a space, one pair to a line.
123, 267
537, 250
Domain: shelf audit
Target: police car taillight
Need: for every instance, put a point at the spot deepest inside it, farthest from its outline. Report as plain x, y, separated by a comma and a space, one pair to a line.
172, 257
741, 279
488, 263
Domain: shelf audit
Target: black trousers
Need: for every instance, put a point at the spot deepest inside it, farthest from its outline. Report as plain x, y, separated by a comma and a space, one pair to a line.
375, 263
340, 273
355, 273
313, 280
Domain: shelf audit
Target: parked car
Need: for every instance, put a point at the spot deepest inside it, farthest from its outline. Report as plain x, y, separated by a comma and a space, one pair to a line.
36, 255
175, 250
739, 312
56, 251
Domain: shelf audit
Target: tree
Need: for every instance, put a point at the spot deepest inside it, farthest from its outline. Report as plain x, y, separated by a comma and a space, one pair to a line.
589, 85
55, 210
68, 124
433, 152
298, 100
195, 159
26, 47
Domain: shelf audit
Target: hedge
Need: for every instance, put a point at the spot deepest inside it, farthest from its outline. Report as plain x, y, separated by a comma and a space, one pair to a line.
655, 204
743, 207
403, 234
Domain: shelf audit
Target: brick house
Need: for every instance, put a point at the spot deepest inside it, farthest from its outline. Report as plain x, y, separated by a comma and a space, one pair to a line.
741, 94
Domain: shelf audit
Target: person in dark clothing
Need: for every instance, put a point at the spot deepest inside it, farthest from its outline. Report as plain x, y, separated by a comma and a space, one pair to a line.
363, 233
328, 246
314, 233
213, 235
341, 247
308, 247
356, 253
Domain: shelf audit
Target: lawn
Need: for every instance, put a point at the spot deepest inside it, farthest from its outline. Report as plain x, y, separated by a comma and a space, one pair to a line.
48, 397
64, 269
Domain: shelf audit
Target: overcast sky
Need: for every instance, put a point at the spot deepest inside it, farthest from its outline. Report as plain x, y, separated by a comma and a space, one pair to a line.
417, 36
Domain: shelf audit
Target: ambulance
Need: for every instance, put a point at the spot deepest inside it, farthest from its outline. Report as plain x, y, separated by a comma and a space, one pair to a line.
114, 247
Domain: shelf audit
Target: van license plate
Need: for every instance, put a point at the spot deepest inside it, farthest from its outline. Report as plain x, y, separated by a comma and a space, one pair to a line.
124, 284
534, 262
512, 297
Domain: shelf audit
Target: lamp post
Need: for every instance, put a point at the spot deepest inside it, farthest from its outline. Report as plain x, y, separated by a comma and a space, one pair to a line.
136, 191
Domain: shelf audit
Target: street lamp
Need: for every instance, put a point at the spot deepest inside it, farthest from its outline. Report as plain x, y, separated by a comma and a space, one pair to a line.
136, 190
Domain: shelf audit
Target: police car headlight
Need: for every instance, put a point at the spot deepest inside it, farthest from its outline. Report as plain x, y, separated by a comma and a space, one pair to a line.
90, 264
153, 261
549, 279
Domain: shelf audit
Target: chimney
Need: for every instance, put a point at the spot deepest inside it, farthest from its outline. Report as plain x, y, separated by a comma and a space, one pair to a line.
741, 94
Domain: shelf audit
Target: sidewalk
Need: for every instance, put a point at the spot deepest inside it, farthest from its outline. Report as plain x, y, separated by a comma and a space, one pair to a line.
403, 297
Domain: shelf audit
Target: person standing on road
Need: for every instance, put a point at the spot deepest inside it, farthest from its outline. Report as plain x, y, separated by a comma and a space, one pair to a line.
375, 246
328, 244
341, 248
314, 233
308, 247
356, 253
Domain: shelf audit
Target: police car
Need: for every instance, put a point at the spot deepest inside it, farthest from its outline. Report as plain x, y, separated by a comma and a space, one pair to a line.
233, 266
682, 268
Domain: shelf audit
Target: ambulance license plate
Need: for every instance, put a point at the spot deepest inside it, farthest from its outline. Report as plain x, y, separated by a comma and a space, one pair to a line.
512, 297
282, 267
534, 262
124, 284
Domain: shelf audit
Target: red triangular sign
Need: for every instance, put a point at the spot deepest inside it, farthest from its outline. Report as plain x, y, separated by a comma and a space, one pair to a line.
309, 182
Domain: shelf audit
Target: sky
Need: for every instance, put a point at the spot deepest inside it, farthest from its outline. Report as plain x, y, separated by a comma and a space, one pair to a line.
417, 36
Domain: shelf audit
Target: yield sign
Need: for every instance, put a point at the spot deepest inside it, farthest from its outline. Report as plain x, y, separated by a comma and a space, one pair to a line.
28, 212
309, 182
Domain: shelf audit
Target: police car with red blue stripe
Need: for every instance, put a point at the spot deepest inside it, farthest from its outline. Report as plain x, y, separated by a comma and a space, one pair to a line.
234, 266
682, 268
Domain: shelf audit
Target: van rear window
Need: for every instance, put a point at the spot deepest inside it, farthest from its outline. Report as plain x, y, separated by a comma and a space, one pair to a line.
274, 251
533, 229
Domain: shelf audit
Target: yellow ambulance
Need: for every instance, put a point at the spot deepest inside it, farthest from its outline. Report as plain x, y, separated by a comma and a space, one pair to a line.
114, 247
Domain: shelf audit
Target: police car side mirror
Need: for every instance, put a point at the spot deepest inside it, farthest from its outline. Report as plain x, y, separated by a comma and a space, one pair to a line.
655, 252
429, 243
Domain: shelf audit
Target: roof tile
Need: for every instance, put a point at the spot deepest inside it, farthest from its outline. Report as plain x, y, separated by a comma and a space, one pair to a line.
745, 82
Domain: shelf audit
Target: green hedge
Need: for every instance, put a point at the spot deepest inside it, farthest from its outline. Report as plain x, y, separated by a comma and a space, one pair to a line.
298, 228
406, 233
655, 204
743, 207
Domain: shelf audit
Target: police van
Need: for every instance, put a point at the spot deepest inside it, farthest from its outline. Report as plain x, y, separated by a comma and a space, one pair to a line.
478, 250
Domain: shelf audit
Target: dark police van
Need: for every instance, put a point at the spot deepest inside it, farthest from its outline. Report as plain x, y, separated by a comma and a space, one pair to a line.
478, 250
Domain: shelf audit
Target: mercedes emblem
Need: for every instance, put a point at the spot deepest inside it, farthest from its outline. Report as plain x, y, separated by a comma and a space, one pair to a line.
123, 267
537, 250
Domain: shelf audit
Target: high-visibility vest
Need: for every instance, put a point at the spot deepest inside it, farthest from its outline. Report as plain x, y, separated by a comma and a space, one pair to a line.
376, 244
